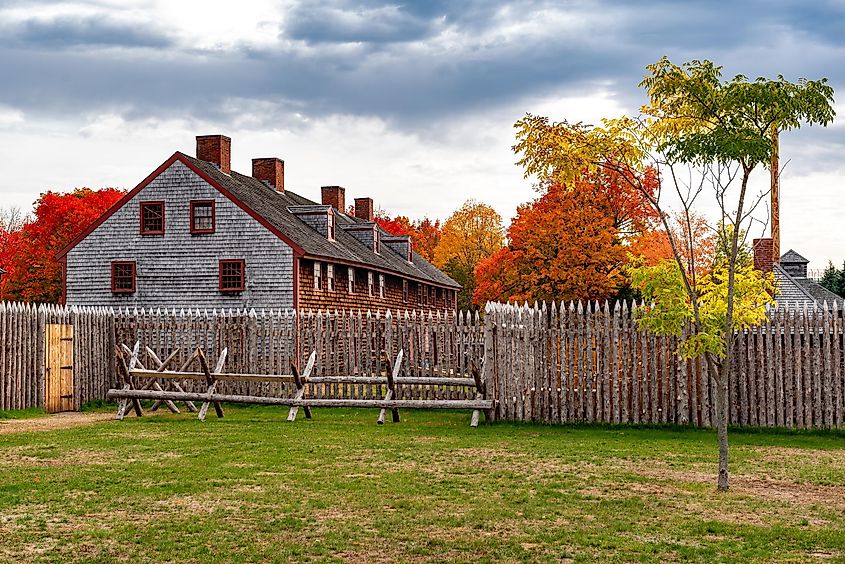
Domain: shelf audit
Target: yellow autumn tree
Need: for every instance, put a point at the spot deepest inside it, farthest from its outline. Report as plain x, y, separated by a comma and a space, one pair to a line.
471, 234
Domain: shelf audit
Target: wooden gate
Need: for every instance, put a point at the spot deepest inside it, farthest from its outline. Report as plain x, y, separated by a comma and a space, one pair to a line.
58, 380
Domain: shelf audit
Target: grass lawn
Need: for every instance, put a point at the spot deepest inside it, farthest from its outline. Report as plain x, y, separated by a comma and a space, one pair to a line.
252, 487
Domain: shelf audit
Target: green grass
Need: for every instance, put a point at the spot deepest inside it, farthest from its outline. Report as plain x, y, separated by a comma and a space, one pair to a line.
251, 487
28, 413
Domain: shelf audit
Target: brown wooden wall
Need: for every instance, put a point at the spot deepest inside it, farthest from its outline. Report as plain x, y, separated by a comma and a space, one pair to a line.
341, 299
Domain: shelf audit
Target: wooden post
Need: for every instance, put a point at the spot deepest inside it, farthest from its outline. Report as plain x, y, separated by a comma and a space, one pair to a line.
300, 386
391, 385
124, 374
775, 175
211, 381
154, 383
480, 392
162, 366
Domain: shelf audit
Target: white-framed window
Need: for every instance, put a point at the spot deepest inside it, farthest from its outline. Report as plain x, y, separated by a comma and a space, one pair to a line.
376, 241
405, 291
318, 275
370, 283
350, 280
330, 276
330, 226
381, 285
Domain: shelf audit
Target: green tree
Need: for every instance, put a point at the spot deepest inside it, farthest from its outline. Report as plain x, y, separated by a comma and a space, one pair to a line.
720, 129
834, 279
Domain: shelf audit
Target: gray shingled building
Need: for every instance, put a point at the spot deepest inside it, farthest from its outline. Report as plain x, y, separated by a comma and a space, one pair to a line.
794, 288
195, 233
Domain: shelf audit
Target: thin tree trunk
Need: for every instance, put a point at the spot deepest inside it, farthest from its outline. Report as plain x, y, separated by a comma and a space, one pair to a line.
717, 369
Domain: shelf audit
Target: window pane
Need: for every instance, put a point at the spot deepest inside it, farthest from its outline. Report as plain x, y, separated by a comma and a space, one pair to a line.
203, 216
152, 217
123, 277
231, 275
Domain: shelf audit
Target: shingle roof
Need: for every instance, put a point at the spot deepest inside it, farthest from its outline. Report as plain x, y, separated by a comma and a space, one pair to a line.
273, 207
791, 257
801, 291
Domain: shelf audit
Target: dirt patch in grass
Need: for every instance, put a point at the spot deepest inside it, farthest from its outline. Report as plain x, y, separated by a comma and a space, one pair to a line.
52, 422
50, 456
788, 456
756, 486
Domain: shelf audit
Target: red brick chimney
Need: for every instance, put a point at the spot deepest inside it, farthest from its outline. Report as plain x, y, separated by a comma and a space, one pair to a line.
271, 171
215, 149
334, 196
763, 254
364, 209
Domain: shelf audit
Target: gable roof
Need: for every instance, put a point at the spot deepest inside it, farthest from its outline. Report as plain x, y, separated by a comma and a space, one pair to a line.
801, 291
791, 257
270, 208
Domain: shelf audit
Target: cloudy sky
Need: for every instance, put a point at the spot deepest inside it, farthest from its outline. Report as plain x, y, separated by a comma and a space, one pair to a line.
411, 103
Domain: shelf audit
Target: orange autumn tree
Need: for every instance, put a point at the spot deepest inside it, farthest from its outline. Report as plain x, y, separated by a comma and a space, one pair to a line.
563, 246
471, 234
695, 238
33, 273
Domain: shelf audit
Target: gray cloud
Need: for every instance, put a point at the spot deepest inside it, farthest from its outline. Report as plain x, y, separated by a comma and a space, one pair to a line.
66, 32
337, 24
411, 63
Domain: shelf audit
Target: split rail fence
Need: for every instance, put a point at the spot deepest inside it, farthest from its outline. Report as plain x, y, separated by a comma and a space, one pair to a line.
549, 363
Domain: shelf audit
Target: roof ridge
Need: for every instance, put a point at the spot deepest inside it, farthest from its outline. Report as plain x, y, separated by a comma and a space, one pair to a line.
794, 282
346, 248
795, 256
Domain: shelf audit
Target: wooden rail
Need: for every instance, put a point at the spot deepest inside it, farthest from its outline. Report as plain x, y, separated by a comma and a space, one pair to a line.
131, 372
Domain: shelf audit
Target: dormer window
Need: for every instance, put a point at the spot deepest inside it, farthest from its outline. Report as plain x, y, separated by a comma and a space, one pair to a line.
376, 241
319, 218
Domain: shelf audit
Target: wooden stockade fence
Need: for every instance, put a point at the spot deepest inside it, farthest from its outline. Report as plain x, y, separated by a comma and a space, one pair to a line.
132, 373
590, 362
549, 363
54, 357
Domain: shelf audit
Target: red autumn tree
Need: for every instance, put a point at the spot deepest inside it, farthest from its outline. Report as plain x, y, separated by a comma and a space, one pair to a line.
563, 246
33, 273
425, 233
